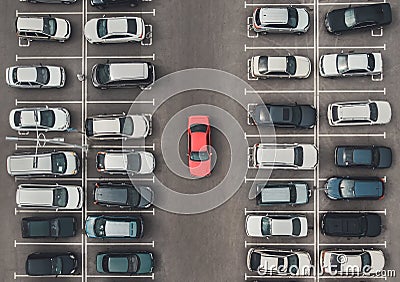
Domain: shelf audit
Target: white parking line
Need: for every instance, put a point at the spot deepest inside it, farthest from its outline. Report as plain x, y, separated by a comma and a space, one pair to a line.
46, 276
120, 179
16, 211
277, 47
121, 276
246, 91
123, 146
52, 179
246, 276
277, 135
274, 4
276, 179
18, 13
150, 57
151, 102
246, 212
19, 58
383, 47
355, 211
384, 244
361, 91
46, 244
349, 3
19, 102
151, 244
150, 211
249, 244
354, 135
153, 13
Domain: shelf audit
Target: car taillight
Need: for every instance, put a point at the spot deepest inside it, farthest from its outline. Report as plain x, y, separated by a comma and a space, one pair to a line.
381, 197
95, 202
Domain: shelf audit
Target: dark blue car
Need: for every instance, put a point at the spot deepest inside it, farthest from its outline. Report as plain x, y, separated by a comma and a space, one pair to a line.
354, 188
363, 156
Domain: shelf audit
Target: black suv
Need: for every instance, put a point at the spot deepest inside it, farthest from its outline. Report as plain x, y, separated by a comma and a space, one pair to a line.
56, 227
351, 224
44, 264
101, 4
122, 195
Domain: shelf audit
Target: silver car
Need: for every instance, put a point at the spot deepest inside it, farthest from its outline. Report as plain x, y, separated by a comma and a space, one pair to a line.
281, 20
43, 28
341, 65
39, 76
40, 119
359, 113
276, 225
280, 67
123, 162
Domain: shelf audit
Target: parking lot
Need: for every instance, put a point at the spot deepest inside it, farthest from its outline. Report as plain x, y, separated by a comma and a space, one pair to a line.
209, 246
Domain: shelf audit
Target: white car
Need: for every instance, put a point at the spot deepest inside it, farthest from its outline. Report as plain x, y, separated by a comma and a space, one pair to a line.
352, 262
280, 67
60, 163
284, 156
118, 126
281, 20
63, 197
359, 113
276, 225
43, 28
122, 162
115, 30
35, 76
336, 65
279, 262
40, 119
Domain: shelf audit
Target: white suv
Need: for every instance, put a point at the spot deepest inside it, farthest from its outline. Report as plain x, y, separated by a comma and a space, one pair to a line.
281, 20
117, 126
61, 163
35, 76
359, 113
63, 197
284, 156
40, 119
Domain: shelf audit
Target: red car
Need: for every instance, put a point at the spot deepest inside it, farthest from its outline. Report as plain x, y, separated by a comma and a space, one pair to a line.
199, 146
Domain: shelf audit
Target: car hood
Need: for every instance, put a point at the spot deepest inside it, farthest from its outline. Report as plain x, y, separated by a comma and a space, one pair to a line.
384, 112
62, 119
332, 188
146, 263
91, 31
308, 116
75, 197
374, 224
385, 157
303, 68
141, 126
68, 264
377, 260
148, 163
310, 156
89, 226
57, 76
302, 193
328, 65
63, 29
253, 225
304, 226
72, 163
67, 226
147, 197
201, 168
303, 23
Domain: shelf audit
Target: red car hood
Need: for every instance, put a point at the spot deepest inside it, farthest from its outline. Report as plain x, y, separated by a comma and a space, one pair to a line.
200, 169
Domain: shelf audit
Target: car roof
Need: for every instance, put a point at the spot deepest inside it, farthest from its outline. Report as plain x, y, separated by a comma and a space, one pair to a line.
276, 64
117, 25
278, 194
128, 71
354, 111
28, 74
115, 228
23, 163
275, 155
115, 161
36, 196
274, 15
36, 265
116, 195
30, 23
357, 61
106, 125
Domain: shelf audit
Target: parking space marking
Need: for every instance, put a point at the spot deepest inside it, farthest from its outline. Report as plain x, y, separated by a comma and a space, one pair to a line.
356, 211
150, 211
278, 135
277, 47
152, 147
246, 276
48, 276
153, 13
16, 211
121, 276
151, 102
150, 57
250, 77
151, 244
384, 244
361, 91
19, 58
349, 3
120, 179
246, 91
354, 135
246, 212
377, 77
380, 34
18, 13
16, 243
274, 4
52, 179
383, 47
250, 29
19, 102
277, 179
262, 244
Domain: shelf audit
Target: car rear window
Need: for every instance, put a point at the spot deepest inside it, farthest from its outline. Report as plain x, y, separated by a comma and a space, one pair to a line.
132, 26
263, 65
60, 197
100, 160
296, 227
371, 61
58, 163
47, 118
257, 17
266, 226
291, 65
198, 128
373, 111
126, 125
17, 118
102, 28
298, 156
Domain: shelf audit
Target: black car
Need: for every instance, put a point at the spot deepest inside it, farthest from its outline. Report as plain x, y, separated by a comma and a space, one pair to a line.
101, 4
355, 188
123, 195
52, 1
363, 156
298, 116
351, 224
352, 18
42, 264
56, 227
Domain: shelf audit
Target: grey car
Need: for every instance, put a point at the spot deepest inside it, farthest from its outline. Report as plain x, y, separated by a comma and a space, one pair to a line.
127, 263
363, 156
289, 193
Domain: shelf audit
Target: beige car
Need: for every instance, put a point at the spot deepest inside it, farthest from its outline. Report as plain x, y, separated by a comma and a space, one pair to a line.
280, 67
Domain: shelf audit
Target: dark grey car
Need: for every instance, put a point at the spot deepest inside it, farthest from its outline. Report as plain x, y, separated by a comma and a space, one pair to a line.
363, 156
290, 193
44, 264
123, 195
101, 4
297, 116
55, 227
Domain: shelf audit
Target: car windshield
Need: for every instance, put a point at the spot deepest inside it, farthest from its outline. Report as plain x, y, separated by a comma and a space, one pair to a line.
102, 28
375, 157
293, 194
296, 227
342, 63
291, 65
347, 188
15, 75
47, 118
132, 27
60, 197
263, 65
296, 115
42, 75
126, 126
134, 263
266, 226
298, 156
293, 17
58, 163
199, 156
56, 265
54, 227
133, 197
49, 26
350, 17
103, 74
99, 227
371, 62
134, 162
365, 260
198, 128
335, 113
373, 109
336, 261
293, 263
